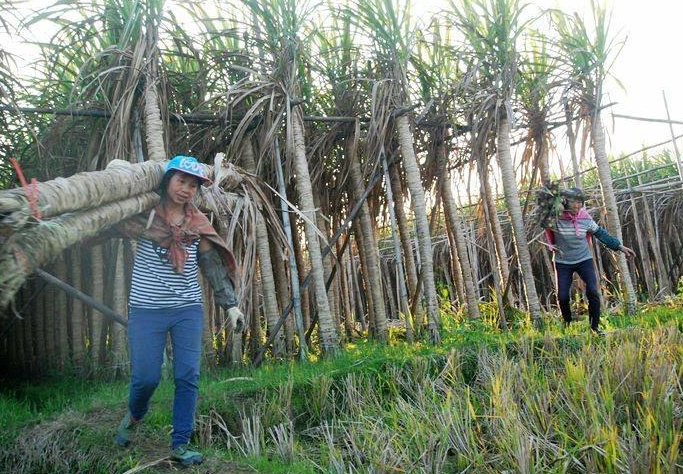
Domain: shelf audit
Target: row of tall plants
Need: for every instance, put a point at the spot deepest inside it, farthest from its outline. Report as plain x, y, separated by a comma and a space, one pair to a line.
356, 114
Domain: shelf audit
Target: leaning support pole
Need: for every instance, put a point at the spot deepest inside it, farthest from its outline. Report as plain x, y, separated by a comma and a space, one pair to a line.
400, 271
294, 271
679, 165
105, 310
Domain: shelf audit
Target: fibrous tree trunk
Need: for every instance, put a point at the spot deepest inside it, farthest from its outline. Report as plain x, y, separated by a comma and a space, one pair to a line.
28, 250
663, 284
646, 263
403, 229
268, 292
417, 201
605, 176
459, 253
401, 272
328, 334
499, 258
370, 252
572, 142
515, 211
154, 127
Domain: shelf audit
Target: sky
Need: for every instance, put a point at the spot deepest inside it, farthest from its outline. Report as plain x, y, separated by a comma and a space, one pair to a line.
648, 67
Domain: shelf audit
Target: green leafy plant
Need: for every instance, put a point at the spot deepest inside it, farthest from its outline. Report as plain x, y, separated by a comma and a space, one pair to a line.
548, 204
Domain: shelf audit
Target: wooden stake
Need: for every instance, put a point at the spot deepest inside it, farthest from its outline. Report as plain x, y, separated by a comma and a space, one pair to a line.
673, 139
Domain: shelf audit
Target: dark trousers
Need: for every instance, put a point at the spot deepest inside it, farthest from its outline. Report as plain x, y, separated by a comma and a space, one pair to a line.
564, 273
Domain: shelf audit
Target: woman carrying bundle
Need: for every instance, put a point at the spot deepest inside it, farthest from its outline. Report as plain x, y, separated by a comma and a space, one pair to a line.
175, 240
569, 239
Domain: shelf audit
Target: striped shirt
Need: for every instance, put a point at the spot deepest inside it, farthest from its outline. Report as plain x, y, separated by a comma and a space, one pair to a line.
156, 285
571, 235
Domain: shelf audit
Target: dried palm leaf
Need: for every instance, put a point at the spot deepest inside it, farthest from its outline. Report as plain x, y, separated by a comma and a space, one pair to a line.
236, 198
243, 186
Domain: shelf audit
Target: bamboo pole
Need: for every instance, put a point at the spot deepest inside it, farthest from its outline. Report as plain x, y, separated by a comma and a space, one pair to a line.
200, 119
645, 119
400, 270
642, 246
108, 312
673, 139
663, 281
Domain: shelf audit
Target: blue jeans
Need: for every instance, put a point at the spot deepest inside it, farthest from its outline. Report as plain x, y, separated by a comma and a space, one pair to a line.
147, 329
586, 271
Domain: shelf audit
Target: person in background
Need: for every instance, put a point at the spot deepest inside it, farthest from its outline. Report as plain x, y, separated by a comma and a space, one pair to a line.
569, 239
175, 240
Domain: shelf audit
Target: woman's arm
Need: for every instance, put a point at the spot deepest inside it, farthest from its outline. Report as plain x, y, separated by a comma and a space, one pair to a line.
205, 245
213, 268
550, 239
612, 242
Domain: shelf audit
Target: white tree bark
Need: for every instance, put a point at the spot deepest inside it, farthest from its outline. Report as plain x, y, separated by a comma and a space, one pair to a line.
611, 210
515, 211
418, 204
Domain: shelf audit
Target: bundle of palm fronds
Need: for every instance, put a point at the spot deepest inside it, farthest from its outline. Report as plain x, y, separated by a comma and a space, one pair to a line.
69, 210
37, 223
548, 204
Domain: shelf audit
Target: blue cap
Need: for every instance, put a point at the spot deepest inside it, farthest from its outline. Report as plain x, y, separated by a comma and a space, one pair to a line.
189, 165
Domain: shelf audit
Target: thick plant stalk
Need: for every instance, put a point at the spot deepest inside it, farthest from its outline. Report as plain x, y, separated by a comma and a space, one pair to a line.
515, 211
78, 322
417, 200
500, 257
328, 334
394, 180
404, 304
605, 176
30, 249
270, 306
153, 124
663, 283
647, 266
491, 229
85, 190
297, 296
371, 272
572, 143
154, 136
453, 219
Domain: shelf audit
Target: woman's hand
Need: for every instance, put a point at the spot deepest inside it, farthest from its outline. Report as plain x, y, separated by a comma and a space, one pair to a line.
236, 318
627, 251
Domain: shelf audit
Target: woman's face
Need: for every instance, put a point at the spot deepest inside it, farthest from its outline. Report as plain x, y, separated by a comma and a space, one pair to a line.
574, 206
182, 187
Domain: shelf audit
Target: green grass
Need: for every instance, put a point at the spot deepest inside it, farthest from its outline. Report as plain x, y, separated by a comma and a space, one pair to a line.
483, 400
